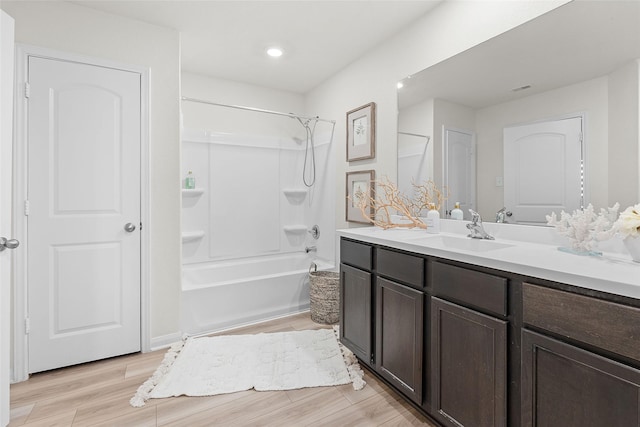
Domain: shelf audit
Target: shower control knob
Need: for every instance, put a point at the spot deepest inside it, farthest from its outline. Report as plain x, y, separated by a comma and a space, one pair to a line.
315, 232
129, 227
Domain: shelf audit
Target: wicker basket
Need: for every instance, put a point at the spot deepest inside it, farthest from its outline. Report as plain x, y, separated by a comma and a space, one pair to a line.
324, 296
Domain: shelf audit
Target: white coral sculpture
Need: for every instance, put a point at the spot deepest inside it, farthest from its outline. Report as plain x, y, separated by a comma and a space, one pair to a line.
585, 228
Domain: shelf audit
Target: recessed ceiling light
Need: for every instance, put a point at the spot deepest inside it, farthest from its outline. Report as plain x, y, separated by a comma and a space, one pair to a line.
275, 52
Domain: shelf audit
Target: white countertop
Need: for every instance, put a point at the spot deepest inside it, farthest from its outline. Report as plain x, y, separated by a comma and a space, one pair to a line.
613, 272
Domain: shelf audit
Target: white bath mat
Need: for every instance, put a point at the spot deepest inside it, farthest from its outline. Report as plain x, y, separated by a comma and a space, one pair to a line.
208, 366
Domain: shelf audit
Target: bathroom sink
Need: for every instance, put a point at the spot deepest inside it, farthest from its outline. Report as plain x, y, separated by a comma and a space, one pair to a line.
462, 243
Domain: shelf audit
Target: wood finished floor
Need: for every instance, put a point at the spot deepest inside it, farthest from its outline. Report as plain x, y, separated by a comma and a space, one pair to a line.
98, 393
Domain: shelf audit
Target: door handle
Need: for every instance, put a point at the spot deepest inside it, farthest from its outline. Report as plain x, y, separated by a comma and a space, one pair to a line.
8, 243
129, 227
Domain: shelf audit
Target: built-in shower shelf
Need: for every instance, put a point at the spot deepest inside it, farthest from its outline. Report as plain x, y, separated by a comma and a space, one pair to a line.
192, 192
295, 229
191, 236
295, 195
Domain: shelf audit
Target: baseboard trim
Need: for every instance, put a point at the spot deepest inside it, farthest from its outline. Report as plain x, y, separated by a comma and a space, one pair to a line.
165, 341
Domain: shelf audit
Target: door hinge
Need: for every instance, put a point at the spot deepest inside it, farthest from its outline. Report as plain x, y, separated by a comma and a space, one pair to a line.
27, 90
372, 359
27, 208
27, 326
140, 226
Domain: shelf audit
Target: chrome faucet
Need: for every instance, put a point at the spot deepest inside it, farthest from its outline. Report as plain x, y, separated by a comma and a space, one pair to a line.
476, 229
500, 215
310, 249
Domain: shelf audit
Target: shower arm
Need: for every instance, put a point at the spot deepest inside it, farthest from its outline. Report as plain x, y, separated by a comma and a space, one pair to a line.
257, 110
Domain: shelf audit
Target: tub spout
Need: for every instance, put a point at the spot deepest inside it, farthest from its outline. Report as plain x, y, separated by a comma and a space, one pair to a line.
310, 249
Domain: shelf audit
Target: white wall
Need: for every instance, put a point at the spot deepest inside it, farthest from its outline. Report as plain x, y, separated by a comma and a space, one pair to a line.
624, 152
447, 30
76, 29
202, 116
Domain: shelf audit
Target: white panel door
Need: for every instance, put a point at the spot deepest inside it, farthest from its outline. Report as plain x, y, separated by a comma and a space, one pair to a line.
459, 170
6, 223
543, 169
83, 189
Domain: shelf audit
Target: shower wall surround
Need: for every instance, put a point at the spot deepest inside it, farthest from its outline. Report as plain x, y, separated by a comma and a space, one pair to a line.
245, 226
249, 198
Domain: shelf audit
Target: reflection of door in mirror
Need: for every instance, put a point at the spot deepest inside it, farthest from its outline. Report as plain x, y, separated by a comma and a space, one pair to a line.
459, 172
543, 169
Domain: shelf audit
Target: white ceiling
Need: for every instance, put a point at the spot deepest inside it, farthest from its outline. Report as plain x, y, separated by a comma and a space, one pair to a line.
227, 39
578, 41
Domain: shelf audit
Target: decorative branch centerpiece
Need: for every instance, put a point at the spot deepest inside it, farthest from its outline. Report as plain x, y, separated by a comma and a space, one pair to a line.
585, 228
379, 207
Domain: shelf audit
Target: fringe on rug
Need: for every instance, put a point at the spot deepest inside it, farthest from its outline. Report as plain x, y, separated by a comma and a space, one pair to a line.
356, 373
144, 391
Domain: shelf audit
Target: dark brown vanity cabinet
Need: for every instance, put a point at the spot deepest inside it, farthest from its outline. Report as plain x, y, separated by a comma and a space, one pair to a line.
581, 384
564, 385
399, 321
381, 316
468, 347
356, 311
476, 347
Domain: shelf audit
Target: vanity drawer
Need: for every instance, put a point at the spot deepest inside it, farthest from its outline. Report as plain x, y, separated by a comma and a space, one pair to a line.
402, 267
604, 324
480, 290
356, 254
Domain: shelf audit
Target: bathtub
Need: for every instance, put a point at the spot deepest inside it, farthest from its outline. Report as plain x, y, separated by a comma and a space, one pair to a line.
225, 294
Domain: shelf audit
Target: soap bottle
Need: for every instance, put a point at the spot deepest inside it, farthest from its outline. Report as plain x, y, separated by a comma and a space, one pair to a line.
457, 213
190, 181
433, 219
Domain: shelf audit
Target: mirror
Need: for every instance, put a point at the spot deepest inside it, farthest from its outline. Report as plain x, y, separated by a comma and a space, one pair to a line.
579, 59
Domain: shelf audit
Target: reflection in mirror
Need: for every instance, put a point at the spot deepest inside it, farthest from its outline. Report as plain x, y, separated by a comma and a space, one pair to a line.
546, 70
414, 159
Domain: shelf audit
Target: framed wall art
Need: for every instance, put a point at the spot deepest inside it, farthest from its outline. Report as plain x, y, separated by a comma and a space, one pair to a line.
361, 133
359, 182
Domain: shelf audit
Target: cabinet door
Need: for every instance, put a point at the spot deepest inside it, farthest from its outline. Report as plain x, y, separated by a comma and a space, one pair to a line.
399, 336
563, 385
469, 366
355, 312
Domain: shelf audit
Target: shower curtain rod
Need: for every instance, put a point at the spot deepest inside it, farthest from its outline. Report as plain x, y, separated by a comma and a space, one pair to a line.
415, 134
258, 110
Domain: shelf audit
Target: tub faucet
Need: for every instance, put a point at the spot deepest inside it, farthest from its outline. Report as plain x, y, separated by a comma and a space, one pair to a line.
476, 229
310, 249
